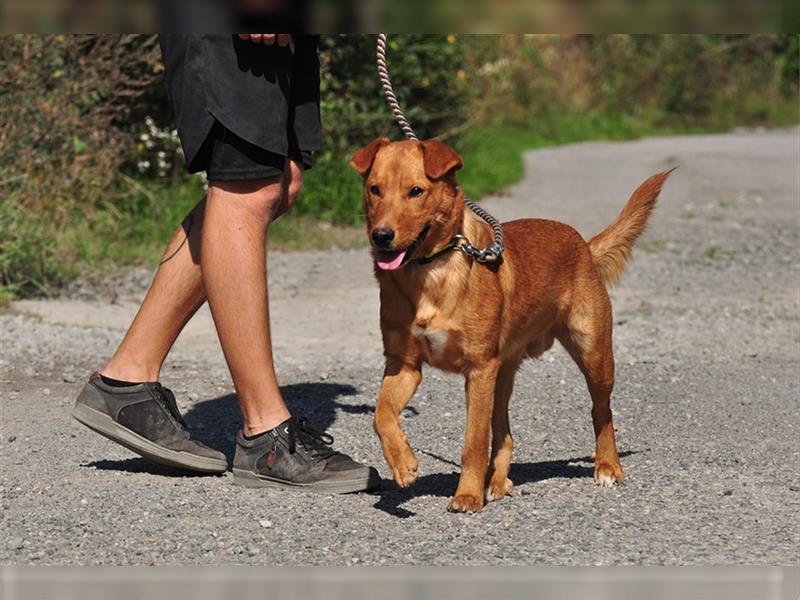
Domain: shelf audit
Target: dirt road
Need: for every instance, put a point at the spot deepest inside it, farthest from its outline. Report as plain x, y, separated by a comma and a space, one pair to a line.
707, 342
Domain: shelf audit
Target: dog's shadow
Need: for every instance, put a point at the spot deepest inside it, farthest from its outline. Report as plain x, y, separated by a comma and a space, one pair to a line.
214, 422
444, 484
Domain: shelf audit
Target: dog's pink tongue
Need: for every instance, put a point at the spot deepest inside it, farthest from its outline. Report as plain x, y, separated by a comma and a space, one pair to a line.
389, 261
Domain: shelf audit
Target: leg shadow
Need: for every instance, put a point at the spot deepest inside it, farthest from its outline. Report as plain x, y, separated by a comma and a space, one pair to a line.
215, 422
444, 484
142, 465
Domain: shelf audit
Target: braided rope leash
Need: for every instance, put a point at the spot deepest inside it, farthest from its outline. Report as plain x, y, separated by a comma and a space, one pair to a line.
386, 84
482, 255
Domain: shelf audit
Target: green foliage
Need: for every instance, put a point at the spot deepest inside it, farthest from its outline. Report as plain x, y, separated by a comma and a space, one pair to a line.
709, 81
66, 103
90, 167
428, 76
28, 260
331, 191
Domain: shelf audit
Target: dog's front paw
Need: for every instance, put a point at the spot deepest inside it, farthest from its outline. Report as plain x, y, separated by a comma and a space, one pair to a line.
466, 503
498, 489
403, 464
607, 474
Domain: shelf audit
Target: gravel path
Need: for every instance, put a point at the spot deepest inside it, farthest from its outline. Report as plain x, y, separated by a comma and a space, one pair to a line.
707, 343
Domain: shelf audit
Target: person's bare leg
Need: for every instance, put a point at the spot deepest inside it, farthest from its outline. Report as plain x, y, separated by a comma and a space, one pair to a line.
176, 293
233, 259
174, 296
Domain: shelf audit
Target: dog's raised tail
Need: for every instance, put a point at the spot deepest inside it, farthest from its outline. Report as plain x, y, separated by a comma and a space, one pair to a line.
611, 248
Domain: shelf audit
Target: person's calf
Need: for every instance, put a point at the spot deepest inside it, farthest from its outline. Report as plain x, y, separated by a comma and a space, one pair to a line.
175, 294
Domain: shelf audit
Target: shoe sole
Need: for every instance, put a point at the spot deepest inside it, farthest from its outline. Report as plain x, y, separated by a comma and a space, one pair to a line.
361, 484
107, 427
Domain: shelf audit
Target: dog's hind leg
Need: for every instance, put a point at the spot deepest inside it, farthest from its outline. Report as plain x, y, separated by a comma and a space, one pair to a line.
400, 382
588, 341
498, 483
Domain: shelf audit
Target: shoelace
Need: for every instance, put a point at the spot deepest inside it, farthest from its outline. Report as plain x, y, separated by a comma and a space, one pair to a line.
168, 399
314, 441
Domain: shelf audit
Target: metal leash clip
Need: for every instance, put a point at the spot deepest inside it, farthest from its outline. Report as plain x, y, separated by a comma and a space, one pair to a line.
490, 254
482, 255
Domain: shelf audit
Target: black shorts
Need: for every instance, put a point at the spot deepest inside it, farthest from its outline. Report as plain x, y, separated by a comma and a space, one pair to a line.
224, 156
243, 109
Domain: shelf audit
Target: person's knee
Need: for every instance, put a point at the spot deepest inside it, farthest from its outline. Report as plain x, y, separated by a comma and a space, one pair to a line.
256, 199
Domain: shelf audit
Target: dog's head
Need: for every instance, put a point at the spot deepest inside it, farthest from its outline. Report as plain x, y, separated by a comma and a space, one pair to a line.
411, 198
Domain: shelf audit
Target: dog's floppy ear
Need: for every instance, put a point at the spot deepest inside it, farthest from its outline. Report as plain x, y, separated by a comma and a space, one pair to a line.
440, 159
362, 159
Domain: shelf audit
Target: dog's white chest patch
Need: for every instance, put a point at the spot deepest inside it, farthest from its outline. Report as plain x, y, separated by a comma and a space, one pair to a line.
433, 340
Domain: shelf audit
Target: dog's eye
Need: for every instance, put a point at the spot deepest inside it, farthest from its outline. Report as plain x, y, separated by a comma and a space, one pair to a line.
416, 192
374, 190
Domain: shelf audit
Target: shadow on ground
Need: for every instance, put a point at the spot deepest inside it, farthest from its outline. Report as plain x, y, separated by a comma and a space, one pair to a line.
215, 422
444, 484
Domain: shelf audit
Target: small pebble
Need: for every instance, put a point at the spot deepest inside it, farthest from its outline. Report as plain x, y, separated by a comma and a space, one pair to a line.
265, 523
15, 543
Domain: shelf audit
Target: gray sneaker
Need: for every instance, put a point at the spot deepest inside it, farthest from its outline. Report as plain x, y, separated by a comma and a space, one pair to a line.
295, 455
145, 418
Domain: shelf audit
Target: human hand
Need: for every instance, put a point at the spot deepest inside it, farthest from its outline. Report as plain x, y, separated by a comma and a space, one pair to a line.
268, 39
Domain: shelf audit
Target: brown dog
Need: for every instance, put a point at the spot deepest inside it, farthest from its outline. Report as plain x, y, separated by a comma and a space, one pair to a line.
445, 309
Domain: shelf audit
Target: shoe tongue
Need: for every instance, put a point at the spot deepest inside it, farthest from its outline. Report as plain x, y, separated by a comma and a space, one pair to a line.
310, 438
389, 260
168, 398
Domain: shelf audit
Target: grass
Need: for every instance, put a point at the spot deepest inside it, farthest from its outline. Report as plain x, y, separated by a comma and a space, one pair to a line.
38, 256
137, 236
132, 227
6, 296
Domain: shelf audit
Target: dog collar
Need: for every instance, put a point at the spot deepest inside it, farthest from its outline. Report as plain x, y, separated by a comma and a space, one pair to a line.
431, 257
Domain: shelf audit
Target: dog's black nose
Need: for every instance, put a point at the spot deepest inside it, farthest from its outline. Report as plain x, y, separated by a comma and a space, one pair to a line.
382, 237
